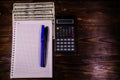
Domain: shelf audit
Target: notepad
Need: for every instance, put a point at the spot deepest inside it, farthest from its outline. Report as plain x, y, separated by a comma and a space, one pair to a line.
25, 59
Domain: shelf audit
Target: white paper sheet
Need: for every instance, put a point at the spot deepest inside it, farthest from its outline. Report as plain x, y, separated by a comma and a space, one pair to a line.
25, 62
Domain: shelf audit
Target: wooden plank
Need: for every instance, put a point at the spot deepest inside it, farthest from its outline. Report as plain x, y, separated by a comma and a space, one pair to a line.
6, 33
5, 28
98, 34
5, 40
5, 49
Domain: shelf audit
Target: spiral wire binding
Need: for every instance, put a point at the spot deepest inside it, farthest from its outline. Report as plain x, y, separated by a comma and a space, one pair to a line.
13, 49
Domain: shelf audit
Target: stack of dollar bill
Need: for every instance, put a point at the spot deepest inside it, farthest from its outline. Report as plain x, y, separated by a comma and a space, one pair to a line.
34, 11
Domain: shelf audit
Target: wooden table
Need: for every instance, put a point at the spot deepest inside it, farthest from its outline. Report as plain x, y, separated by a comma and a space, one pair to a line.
98, 36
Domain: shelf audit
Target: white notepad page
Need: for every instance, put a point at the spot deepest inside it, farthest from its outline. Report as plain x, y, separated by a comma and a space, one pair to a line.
25, 62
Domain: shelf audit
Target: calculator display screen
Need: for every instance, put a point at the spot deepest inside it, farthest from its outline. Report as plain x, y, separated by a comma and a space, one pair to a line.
65, 21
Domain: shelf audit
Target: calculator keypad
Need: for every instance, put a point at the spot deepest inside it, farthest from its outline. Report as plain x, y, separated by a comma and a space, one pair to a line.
65, 40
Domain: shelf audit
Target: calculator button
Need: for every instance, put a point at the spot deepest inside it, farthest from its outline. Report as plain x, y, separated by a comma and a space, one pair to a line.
65, 49
68, 39
61, 42
72, 36
65, 45
72, 49
68, 45
72, 42
65, 42
58, 42
72, 45
68, 49
61, 39
60, 35
68, 42
57, 28
57, 35
58, 46
65, 39
58, 39
61, 49
61, 46
72, 39
58, 49
63, 30
72, 28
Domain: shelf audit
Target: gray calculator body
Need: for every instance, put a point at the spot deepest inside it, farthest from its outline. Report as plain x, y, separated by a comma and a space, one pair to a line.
65, 40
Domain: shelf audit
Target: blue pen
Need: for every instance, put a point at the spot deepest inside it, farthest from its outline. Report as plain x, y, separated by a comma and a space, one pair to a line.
44, 41
42, 58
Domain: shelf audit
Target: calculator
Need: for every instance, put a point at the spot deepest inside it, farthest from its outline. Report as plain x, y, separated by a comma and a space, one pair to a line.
65, 33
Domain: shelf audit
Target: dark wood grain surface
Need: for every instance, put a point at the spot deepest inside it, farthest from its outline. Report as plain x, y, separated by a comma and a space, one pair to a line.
98, 36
